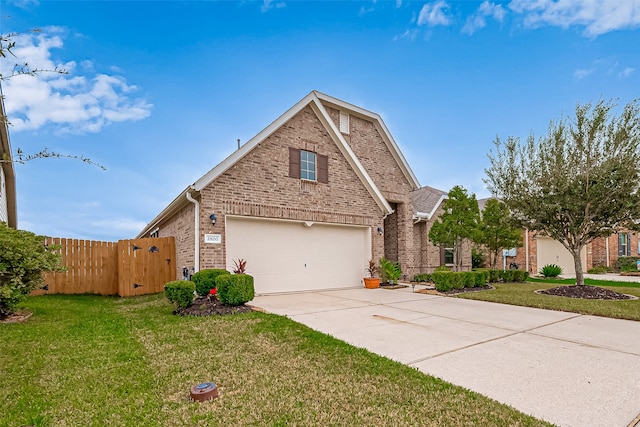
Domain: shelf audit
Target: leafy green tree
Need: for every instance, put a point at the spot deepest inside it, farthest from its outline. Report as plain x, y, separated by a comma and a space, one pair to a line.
23, 259
458, 222
577, 183
497, 230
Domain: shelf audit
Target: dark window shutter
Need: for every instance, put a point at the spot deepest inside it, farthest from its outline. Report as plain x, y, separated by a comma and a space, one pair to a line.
323, 169
442, 255
294, 163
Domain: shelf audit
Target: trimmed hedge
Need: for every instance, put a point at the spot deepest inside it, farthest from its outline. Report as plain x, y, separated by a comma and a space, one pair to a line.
205, 280
180, 292
628, 263
422, 277
481, 278
443, 280
235, 289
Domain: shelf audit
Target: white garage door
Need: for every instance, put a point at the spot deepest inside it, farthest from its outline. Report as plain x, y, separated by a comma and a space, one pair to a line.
552, 252
285, 256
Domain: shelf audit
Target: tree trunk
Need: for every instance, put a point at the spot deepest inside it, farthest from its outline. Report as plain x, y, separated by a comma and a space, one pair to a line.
577, 261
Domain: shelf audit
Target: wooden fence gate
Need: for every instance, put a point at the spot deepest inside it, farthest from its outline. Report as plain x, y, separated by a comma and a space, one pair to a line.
125, 268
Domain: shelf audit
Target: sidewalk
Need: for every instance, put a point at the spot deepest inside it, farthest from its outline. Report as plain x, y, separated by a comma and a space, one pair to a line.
565, 368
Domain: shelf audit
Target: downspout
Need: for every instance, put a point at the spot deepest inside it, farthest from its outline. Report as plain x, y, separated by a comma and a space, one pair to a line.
196, 258
607, 249
526, 247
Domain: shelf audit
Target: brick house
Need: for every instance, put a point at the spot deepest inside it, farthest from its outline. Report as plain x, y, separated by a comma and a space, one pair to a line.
8, 207
428, 203
307, 202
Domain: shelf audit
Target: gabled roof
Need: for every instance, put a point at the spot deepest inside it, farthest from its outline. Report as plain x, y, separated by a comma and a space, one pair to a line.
315, 100
7, 167
426, 201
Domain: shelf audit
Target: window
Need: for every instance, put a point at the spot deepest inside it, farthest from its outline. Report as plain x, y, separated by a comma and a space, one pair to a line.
307, 165
446, 256
624, 246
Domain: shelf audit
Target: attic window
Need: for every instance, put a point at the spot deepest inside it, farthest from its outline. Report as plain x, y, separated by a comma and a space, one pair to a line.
344, 122
308, 165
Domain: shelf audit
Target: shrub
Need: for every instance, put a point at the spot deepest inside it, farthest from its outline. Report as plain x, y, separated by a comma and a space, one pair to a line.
494, 275
180, 292
458, 280
235, 289
507, 276
23, 259
520, 276
422, 277
599, 269
205, 280
551, 270
391, 271
477, 258
442, 268
468, 278
481, 278
443, 280
628, 263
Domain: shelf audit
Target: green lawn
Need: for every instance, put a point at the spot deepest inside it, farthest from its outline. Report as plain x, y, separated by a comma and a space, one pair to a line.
523, 294
96, 361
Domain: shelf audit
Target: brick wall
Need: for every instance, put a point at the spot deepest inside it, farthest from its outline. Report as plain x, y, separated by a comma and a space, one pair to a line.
181, 226
367, 143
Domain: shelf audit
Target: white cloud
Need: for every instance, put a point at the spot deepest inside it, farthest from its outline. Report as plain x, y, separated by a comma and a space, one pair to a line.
597, 16
627, 72
582, 73
433, 14
122, 224
70, 102
478, 20
270, 4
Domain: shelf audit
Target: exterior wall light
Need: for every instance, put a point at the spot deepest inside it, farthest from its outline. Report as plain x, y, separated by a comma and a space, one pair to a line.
213, 219
380, 231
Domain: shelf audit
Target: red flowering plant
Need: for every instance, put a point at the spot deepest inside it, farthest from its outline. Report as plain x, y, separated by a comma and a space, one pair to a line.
212, 293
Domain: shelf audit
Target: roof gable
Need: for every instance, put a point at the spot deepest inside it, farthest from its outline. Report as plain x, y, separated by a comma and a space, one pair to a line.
315, 100
426, 201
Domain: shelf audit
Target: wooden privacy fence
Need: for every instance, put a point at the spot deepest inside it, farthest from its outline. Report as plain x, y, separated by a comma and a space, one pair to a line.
125, 268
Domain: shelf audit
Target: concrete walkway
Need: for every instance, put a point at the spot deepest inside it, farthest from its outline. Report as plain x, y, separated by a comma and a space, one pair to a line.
565, 368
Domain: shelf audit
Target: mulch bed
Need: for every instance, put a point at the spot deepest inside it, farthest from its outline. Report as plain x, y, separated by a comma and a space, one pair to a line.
203, 306
18, 316
585, 292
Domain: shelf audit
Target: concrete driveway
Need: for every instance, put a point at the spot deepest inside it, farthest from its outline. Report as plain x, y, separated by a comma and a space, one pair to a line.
565, 368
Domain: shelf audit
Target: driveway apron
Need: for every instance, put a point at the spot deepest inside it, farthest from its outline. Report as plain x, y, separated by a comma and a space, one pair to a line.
565, 368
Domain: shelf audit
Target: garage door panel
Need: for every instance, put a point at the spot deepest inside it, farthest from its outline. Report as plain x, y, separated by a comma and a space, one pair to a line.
286, 256
551, 251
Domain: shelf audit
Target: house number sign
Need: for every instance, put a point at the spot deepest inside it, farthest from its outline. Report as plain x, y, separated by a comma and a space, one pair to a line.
213, 238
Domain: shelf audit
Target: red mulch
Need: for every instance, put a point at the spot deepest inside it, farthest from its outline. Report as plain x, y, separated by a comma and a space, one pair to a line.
203, 306
585, 292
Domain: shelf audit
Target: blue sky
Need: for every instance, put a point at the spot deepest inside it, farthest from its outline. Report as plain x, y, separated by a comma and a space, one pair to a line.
159, 92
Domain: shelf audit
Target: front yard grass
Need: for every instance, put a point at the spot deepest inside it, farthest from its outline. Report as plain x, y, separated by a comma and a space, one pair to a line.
523, 294
95, 361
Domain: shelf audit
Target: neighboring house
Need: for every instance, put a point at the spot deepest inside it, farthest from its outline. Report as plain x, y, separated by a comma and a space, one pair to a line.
428, 203
306, 202
8, 207
537, 251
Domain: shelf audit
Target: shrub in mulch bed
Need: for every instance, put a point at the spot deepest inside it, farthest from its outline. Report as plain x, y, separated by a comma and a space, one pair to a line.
211, 306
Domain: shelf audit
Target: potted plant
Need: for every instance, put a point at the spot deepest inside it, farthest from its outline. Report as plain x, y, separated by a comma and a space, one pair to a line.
372, 281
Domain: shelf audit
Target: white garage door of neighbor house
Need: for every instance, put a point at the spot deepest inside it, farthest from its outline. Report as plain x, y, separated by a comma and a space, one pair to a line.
285, 256
552, 252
